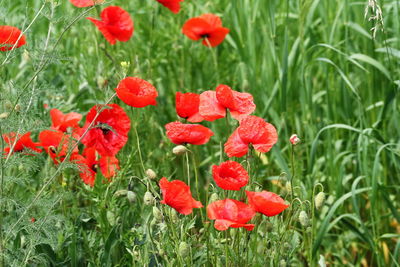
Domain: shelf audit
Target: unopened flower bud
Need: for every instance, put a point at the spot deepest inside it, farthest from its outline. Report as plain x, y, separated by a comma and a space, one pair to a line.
131, 196
120, 193
179, 150
125, 66
294, 139
288, 186
150, 174
148, 198
282, 263
183, 249
4, 115
214, 197
111, 217
319, 200
157, 214
174, 216
303, 218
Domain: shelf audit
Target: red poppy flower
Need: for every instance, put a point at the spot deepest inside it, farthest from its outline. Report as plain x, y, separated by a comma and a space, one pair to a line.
177, 195
187, 106
207, 27
57, 144
109, 132
115, 24
230, 175
194, 134
173, 5
85, 3
61, 122
209, 108
267, 203
10, 36
136, 92
23, 141
108, 166
85, 167
239, 104
230, 213
252, 130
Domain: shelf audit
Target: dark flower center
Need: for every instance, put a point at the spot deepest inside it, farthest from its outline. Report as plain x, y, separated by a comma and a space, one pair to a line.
104, 127
206, 35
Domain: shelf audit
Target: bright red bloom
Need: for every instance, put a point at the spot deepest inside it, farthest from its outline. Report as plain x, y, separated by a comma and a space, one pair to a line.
57, 144
136, 92
173, 5
230, 213
9, 36
194, 134
210, 109
85, 167
115, 24
177, 195
267, 203
252, 130
61, 122
85, 3
239, 104
23, 141
109, 132
230, 175
207, 27
187, 106
109, 166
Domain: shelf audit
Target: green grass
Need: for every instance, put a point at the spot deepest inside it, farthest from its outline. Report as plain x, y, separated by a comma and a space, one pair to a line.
313, 69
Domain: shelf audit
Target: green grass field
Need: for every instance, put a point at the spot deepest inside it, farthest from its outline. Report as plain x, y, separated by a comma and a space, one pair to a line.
322, 69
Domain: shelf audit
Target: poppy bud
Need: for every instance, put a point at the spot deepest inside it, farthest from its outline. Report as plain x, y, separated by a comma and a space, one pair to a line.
161, 252
183, 249
282, 263
158, 216
148, 198
131, 196
214, 197
319, 200
125, 66
294, 139
17, 108
25, 55
288, 186
33, 220
303, 219
4, 115
122, 192
179, 150
174, 216
111, 217
150, 174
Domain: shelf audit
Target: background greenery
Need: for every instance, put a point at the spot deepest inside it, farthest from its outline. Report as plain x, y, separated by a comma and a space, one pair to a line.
313, 68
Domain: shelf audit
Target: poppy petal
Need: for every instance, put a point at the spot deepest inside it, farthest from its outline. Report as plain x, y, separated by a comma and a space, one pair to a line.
187, 106
215, 37
230, 175
136, 92
267, 203
11, 36
173, 5
210, 109
85, 3
238, 103
194, 134
235, 147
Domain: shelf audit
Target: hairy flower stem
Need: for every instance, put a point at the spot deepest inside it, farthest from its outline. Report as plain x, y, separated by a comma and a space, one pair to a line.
293, 173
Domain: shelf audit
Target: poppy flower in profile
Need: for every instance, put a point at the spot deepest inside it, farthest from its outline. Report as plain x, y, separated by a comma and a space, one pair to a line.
267, 203
253, 131
177, 195
85, 3
207, 27
24, 141
64, 122
85, 167
57, 144
187, 106
136, 92
230, 213
230, 175
115, 24
195, 134
173, 5
109, 131
238, 103
209, 108
11, 37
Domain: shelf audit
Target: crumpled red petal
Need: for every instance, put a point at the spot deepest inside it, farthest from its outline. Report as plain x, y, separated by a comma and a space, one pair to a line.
187, 106
235, 147
267, 203
61, 122
230, 175
173, 5
177, 195
194, 134
57, 144
210, 109
10, 36
136, 92
238, 103
23, 141
85, 3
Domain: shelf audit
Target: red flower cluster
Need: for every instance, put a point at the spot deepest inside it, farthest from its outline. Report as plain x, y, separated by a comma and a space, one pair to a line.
11, 37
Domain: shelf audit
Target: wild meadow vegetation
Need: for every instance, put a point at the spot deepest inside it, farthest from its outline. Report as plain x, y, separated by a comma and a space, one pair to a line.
326, 70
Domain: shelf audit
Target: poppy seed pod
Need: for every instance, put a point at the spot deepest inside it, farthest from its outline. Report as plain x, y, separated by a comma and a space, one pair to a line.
303, 218
148, 199
183, 249
179, 150
319, 200
131, 196
150, 174
157, 214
